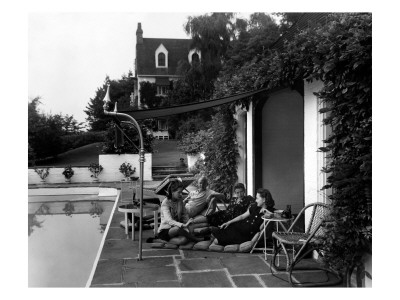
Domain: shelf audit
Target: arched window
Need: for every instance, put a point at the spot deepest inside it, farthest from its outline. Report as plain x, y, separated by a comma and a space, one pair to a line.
195, 58
161, 59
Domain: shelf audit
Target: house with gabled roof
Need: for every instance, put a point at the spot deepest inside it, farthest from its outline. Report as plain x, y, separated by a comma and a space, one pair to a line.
157, 61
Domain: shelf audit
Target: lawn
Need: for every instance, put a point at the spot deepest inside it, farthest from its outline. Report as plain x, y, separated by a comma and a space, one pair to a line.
165, 154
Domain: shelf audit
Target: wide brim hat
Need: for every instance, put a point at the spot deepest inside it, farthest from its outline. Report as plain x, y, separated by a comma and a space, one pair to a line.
162, 188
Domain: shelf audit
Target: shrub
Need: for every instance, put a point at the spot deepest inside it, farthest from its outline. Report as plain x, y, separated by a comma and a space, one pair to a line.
127, 147
193, 142
221, 152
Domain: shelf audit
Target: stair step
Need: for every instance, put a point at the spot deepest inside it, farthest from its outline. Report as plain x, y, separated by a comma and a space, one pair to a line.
162, 177
167, 172
168, 168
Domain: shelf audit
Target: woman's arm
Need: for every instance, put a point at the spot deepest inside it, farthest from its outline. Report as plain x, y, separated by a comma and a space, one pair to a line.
238, 218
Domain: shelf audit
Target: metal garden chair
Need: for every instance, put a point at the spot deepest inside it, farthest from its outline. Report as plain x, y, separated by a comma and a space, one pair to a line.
304, 243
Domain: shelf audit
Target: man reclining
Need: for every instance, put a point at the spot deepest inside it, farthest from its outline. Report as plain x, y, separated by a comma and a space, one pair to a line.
199, 200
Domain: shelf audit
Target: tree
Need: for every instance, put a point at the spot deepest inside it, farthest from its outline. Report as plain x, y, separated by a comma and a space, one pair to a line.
46, 131
211, 34
71, 126
287, 20
120, 91
127, 147
148, 95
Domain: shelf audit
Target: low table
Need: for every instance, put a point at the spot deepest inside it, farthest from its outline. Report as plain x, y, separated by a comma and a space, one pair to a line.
131, 209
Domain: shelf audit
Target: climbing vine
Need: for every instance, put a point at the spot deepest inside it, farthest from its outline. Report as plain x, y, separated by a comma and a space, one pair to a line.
338, 53
221, 152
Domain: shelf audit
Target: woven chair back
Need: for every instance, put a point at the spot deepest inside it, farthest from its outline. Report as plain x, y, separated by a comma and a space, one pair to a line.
319, 211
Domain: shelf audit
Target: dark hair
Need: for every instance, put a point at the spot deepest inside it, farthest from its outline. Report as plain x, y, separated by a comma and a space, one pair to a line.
203, 179
239, 185
174, 186
264, 193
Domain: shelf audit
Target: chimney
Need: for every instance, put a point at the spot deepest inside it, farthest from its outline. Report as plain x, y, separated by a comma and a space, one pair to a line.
139, 34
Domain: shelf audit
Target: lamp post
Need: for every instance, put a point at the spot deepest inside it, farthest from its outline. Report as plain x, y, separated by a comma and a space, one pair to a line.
115, 113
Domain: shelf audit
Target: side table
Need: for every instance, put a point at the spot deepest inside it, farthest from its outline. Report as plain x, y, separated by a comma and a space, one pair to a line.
278, 221
131, 209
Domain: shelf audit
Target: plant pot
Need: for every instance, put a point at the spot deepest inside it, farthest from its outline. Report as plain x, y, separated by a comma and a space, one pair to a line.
95, 179
68, 180
42, 181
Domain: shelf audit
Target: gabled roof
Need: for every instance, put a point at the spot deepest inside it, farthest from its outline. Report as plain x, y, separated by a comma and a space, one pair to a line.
178, 49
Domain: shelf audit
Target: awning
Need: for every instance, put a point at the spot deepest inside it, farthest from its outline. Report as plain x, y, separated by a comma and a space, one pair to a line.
179, 109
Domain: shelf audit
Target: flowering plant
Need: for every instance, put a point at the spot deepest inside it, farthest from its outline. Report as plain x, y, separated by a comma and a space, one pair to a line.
126, 169
68, 172
95, 169
43, 173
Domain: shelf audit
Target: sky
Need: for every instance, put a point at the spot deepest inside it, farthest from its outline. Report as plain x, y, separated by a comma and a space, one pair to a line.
70, 54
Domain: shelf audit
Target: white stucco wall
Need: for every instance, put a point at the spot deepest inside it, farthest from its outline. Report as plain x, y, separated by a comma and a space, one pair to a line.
241, 133
112, 162
313, 136
81, 174
250, 150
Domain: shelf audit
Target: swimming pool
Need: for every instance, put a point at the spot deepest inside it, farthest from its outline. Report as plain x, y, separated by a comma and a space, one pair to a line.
66, 227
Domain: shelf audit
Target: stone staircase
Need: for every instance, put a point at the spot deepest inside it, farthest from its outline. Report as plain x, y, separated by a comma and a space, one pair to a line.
160, 172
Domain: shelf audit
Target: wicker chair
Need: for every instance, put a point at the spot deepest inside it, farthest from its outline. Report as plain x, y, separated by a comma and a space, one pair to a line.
304, 243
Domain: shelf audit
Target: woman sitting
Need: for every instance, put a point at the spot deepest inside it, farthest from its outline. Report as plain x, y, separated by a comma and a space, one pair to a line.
237, 206
174, 219
242, 228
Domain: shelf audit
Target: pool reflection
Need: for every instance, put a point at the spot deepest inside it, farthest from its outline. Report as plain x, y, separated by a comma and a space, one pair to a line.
62, 247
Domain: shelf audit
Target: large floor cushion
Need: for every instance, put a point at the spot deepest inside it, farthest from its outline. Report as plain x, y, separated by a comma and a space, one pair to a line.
209, 245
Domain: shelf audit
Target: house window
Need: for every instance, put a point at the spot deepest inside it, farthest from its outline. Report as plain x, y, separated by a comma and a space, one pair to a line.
161, 60
162, 90
195, 58
161, 57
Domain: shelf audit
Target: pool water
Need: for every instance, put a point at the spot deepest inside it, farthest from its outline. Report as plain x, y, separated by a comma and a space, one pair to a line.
64, 238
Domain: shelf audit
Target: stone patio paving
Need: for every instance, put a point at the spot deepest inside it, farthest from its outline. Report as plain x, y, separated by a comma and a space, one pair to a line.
118, 265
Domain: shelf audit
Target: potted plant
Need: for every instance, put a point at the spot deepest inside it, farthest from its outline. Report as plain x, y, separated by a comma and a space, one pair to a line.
43, 173
95, 169
127, 170
68, 173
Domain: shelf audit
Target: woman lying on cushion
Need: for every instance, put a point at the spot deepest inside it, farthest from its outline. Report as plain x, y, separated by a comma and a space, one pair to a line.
174, 219
242, 228
238, 205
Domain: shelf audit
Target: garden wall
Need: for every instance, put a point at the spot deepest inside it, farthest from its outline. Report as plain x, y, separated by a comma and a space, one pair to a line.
81, 174
110, 173
112, 162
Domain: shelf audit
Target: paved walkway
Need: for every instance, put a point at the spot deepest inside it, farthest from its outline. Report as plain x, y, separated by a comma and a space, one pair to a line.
118, 265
